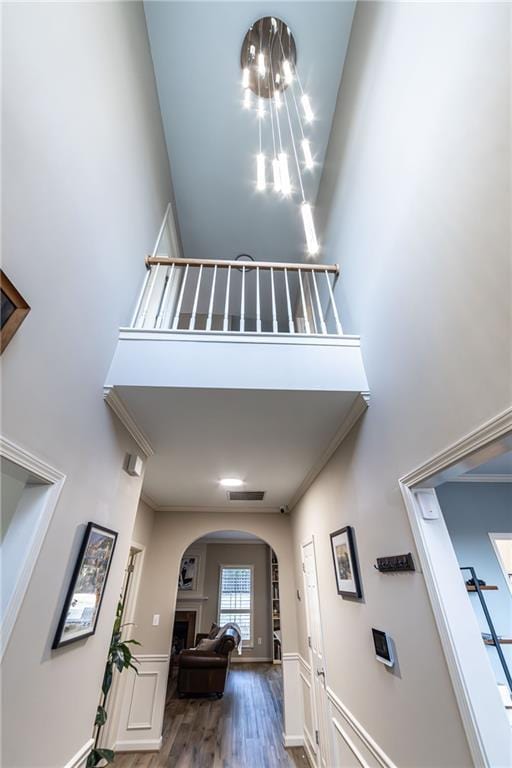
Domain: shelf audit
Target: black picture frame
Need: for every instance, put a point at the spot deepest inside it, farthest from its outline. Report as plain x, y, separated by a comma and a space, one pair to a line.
346, 568
90, 572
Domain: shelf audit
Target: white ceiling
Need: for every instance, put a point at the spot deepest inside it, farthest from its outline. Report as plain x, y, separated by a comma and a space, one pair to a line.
269, 439
212, 141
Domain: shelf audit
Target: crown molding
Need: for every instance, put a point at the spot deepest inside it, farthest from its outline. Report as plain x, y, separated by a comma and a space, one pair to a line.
442, 467
231, 510
123, 414
355, 412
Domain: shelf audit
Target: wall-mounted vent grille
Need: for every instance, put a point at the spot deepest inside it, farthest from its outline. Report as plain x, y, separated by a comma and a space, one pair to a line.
246, 495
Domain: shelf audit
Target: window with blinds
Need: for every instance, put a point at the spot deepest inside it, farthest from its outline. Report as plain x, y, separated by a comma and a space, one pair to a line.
235, 600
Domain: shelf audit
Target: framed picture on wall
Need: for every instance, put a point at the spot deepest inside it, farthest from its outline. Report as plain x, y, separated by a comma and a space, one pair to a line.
14, 310
346, 569
189, 569
85, 594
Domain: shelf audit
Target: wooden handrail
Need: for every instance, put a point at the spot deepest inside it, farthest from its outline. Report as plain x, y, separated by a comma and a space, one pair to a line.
223, 263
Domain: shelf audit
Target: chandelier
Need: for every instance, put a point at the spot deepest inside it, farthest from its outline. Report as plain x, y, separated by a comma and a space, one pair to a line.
273, 90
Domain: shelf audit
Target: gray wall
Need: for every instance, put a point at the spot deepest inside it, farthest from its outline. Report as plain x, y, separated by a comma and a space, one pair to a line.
85, 185
415, 206
241, 554
471, 512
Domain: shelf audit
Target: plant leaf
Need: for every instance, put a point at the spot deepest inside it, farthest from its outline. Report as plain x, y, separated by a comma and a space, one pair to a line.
101, 716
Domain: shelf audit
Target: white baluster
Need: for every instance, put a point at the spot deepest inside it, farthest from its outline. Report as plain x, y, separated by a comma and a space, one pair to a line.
192, 324
152, 283
226, 303
134, 323
319, 305
304, 309
180, 300
333, 304
309, 299
275, 327
162, 312
288, 303
212, 295
242, 303
258, 310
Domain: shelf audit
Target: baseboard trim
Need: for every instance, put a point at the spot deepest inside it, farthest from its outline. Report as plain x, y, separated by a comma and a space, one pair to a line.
141, 745
250, 659
293, 741
78, 760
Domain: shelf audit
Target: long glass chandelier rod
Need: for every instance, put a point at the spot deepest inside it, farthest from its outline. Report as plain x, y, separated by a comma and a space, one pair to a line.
299, 174
275, 105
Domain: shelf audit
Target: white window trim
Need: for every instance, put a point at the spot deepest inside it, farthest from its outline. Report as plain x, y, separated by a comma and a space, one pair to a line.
55, 481
493, 537
246, 643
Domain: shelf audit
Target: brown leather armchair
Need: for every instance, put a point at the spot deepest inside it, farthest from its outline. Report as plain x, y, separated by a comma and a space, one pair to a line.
203, 670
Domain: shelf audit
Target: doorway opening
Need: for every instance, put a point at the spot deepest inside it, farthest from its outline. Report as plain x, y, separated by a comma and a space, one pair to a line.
449, 500
224, 700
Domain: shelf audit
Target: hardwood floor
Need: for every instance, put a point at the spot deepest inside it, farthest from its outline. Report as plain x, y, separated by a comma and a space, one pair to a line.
241, 730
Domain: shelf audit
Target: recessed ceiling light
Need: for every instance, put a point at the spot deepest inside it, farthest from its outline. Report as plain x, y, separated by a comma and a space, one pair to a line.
231, 482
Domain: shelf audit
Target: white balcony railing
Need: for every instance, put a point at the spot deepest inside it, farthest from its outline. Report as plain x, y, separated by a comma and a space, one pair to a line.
233, 296
222, 296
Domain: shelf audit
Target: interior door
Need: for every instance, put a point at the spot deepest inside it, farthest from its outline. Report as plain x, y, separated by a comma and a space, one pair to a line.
318, 672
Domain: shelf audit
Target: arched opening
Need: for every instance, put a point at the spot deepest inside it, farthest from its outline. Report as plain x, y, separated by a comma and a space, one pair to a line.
226, 644
180, 597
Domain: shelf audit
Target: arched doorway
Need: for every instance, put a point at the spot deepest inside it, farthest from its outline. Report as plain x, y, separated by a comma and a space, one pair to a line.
172, 535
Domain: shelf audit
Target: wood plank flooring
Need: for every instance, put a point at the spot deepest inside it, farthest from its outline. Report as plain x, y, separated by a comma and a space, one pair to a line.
243, 729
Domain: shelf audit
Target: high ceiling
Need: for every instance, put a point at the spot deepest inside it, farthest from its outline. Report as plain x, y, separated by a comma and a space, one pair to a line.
212, 141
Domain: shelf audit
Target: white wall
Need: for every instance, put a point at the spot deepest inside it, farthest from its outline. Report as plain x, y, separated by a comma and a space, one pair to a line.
85, 185
415, 205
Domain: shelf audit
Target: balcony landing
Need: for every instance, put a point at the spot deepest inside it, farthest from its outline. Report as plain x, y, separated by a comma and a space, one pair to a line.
268, 408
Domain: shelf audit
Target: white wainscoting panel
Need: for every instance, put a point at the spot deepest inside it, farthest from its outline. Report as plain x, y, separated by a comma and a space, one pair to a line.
307, 706
353, 745
142, 708
292, 736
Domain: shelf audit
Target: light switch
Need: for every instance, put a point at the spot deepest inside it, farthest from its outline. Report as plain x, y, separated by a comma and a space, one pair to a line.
156, 619
259, 640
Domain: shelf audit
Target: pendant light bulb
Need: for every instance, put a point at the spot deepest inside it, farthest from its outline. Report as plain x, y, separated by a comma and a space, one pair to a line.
287, 71
286, 187
260, 172
245, 77
306, 106
308, 157
277, 174
309, 229
261, 64
277, 99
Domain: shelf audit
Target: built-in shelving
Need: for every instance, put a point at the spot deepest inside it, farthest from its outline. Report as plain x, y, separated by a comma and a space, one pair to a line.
276, 608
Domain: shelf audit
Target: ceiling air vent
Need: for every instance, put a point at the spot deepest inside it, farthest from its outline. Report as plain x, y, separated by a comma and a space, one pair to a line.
246, 495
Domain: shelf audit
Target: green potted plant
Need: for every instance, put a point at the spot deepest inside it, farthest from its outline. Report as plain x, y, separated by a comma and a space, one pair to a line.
119, 657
